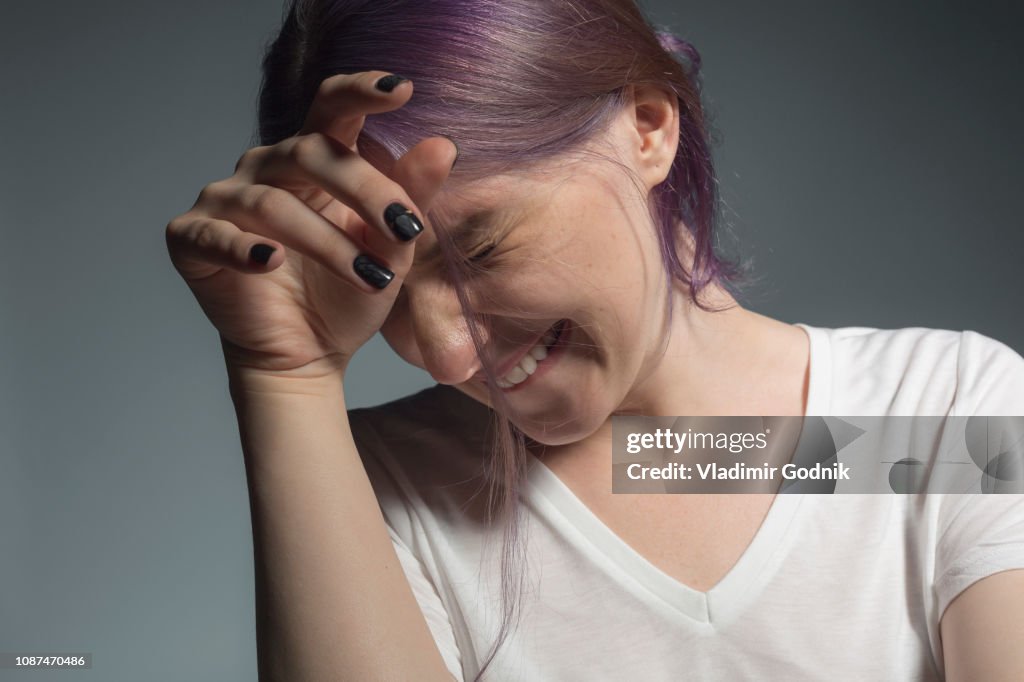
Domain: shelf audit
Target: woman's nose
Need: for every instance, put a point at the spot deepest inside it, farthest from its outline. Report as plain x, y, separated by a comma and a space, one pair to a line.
442, 333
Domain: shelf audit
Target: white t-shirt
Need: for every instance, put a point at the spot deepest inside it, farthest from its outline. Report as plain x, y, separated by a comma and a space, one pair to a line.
846, 586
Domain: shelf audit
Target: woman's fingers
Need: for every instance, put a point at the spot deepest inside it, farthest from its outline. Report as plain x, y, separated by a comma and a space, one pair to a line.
202, 243
246, 222
318, 161
343, 101
424, 169
201, 246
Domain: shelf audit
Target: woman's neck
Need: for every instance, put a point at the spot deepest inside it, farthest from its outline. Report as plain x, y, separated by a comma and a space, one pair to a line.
731, 362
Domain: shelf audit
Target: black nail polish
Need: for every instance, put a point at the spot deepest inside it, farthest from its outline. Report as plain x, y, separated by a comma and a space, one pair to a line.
389, 83
261, 253
373, 273
402, 222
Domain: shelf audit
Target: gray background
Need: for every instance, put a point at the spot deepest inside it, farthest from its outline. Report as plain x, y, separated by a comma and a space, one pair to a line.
870, 163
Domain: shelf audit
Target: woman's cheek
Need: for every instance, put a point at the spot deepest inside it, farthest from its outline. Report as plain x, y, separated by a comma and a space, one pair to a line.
534, 287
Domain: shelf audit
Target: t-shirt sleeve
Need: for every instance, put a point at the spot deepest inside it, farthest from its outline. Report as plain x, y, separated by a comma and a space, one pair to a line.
990, 378
430, 604
982, 534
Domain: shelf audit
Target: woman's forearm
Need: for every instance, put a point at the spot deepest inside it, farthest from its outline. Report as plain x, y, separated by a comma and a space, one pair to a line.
332, 601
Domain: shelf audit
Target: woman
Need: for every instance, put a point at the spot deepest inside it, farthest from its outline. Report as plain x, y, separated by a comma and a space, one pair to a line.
527, 213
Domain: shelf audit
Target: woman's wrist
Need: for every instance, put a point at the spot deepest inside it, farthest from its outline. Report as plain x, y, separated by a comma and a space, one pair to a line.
248, 381
247, 375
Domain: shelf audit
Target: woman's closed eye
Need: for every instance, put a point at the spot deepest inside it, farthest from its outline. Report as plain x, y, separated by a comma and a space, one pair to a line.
482, 254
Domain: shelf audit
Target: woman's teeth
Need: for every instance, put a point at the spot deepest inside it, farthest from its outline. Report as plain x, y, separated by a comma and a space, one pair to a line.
528, 364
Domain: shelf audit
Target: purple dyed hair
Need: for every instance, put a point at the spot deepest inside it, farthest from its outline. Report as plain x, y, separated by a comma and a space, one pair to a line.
514, 83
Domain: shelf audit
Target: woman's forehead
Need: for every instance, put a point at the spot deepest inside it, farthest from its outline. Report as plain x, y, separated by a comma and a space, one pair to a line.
486, 200
473, 211
506, 193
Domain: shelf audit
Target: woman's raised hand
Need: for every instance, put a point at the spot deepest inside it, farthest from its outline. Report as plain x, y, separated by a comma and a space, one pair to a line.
336, 234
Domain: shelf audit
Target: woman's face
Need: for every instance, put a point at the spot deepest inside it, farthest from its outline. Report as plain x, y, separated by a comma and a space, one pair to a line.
569, 251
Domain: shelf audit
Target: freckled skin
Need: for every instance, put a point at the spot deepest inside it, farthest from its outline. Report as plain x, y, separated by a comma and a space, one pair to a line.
584, 249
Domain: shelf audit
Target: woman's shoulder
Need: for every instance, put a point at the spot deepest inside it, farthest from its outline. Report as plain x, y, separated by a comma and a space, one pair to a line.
431, 413
423, 446
990, 377
890, 341
922, 370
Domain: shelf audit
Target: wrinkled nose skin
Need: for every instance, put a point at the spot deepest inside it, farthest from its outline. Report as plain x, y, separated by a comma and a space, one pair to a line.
441, 335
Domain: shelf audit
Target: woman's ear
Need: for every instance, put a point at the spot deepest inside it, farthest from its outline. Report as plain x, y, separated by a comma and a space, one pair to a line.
652, 119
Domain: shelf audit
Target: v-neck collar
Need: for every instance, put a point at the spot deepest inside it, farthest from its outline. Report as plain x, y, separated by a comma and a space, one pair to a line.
767, 550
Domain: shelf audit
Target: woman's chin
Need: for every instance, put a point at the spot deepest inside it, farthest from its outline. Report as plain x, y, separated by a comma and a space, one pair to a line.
556, 428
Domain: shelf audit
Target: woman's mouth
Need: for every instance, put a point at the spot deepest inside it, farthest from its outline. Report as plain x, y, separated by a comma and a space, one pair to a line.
538, 358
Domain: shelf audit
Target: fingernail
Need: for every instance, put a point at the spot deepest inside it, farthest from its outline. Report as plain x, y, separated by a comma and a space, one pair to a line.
373, 273
261, 253
402, 222
457, 150
389, 83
